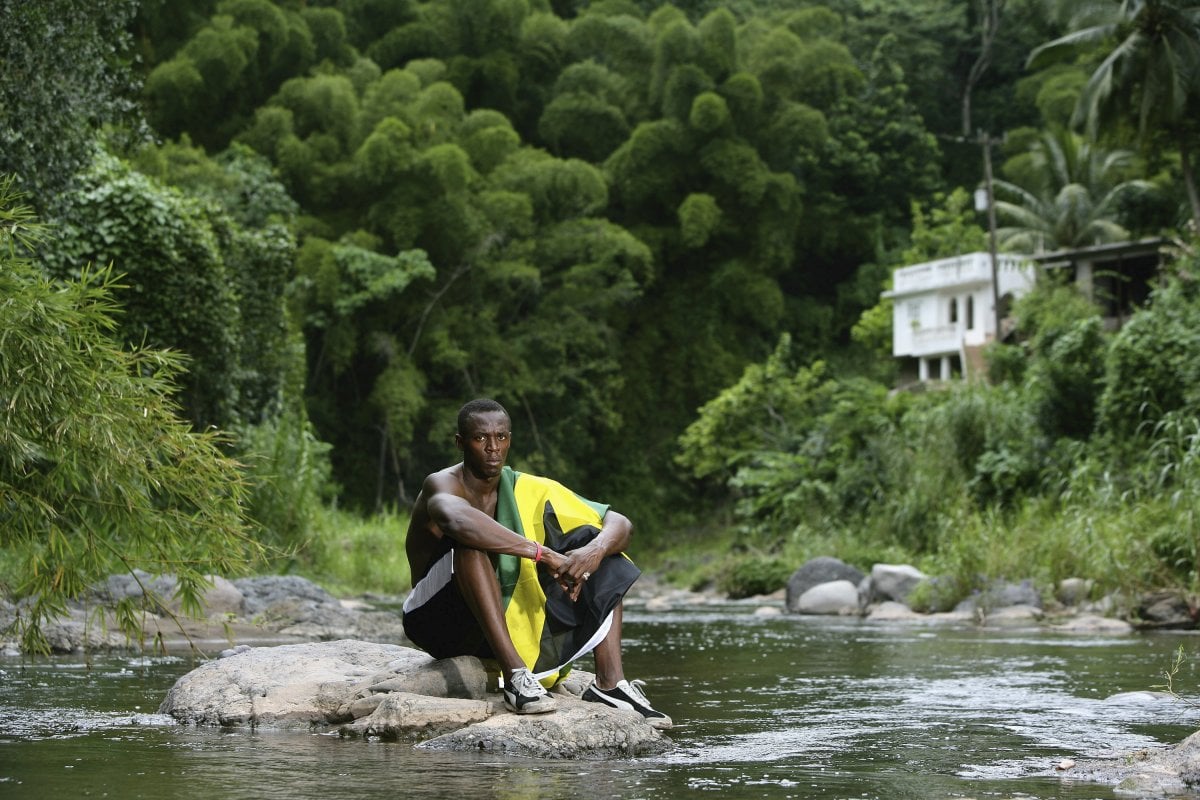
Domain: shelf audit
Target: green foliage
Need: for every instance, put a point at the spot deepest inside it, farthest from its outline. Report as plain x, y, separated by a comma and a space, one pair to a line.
1146, 55
602, 214
180, 294
699, 216
1152, 368
752, 414
288, 474
98, 472
1066, 193
1061, 360
235, 62
65, 73
950, 228
755, 575
349, 554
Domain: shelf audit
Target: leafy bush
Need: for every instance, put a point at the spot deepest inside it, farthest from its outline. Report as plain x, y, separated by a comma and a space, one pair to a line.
1153, 364
755, 575
98, 472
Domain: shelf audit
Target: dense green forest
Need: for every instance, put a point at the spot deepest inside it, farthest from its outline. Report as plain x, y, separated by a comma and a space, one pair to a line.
658, 233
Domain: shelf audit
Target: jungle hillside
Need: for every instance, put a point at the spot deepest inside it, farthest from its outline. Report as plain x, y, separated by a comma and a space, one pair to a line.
255, 254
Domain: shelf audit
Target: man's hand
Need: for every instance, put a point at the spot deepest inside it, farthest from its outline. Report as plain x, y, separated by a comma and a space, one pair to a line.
572, 569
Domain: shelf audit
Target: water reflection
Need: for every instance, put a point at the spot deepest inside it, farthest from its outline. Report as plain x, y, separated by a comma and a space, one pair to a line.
767, 707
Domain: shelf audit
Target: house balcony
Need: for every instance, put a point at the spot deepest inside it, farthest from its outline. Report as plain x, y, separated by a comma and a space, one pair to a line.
968, 270
943, 339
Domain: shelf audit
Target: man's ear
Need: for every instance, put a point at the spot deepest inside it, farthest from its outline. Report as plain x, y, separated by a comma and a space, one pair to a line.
458, 441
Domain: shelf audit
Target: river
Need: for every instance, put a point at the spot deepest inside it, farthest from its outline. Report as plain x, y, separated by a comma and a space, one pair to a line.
765, 707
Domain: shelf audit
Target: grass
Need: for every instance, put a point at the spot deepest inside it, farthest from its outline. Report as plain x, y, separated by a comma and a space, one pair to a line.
1123, 544
348, 554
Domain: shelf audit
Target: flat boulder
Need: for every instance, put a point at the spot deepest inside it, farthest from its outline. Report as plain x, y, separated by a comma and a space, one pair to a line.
293, 685
406, 717
575, 730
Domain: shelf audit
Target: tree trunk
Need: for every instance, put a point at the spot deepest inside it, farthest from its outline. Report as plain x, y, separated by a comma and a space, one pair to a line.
989, 24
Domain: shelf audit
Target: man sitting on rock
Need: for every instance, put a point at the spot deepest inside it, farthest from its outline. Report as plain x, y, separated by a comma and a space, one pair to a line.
519, 569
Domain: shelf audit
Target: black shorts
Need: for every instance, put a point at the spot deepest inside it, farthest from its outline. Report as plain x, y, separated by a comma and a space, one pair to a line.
437, 618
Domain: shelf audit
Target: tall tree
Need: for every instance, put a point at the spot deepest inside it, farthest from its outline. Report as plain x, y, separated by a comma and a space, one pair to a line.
989, 13
1149, 70
63, 73
1066, 192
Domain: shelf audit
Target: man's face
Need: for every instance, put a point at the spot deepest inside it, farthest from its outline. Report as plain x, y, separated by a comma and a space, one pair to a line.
485, 443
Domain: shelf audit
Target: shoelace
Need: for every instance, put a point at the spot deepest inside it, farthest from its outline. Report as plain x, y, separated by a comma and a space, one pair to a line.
525, 684
635, 688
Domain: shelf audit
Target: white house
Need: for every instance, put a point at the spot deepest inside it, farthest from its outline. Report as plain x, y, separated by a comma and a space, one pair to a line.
943, 312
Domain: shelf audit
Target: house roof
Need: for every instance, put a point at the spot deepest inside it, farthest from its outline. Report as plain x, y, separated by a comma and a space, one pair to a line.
1101, 252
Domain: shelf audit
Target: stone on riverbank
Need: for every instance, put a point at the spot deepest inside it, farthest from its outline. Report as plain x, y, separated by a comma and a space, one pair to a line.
834, 597
815, 572
892, 582
1165, 609
395, 692
1093, 624
262, 610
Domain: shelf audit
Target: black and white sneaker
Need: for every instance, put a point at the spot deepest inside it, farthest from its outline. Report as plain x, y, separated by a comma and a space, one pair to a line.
628, 696
524, 695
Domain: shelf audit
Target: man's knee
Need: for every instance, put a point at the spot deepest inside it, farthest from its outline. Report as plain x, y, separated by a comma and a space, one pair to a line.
474, 571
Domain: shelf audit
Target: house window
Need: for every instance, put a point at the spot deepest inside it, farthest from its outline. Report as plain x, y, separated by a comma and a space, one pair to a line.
953, 310
970, 312
914, 313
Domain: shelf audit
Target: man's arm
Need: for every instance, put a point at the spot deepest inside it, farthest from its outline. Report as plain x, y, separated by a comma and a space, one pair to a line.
452, 515
470, 527
614, 537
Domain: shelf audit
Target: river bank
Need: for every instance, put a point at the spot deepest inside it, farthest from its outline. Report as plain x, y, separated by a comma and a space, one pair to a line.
288, 609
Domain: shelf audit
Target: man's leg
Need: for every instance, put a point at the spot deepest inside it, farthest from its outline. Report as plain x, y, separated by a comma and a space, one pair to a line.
609, 670
476, 580
610, 686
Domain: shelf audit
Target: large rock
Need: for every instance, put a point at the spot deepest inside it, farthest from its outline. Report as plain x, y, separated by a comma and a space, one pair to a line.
1165, 609
815, 572
405, 716
834, 597
293, 606
576, 729
291, 685
265, 594
158, 592
892, 582
394, 692
1073, 591
1161, 772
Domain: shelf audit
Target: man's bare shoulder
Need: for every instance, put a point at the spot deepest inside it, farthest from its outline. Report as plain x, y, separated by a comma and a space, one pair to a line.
444, 481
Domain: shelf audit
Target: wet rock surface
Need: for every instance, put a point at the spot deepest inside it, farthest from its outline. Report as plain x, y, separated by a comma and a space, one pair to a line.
399, 693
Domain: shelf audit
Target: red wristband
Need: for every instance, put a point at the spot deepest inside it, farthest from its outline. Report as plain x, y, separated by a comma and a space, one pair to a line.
537, 556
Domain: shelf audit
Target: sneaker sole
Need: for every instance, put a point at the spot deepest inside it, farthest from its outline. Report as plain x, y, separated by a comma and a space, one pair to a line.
543, 706
661, 723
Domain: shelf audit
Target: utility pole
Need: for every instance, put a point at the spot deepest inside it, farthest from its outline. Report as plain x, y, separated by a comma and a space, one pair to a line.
986, 141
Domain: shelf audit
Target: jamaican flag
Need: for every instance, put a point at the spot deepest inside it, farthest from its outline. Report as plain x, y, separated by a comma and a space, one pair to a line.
547, 628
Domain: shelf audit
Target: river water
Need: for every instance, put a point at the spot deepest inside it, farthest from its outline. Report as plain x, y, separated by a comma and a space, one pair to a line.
765, 707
